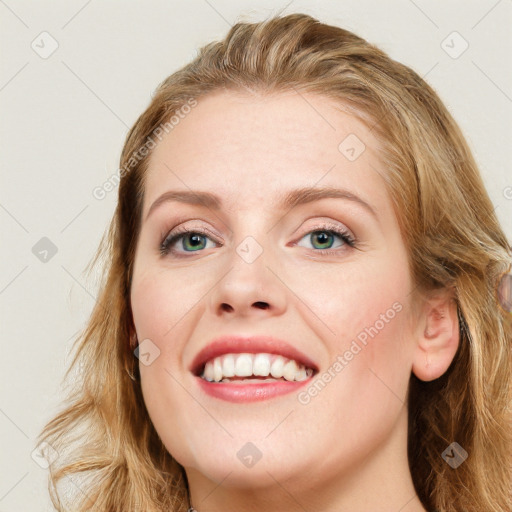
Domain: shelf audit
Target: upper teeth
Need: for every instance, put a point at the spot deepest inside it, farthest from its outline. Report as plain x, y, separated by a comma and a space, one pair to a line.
246, 365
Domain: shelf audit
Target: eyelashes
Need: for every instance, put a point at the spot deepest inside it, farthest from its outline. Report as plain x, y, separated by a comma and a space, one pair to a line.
192, 238
179, 234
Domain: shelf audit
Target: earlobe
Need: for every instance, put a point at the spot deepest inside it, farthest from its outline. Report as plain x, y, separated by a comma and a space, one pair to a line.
437, 336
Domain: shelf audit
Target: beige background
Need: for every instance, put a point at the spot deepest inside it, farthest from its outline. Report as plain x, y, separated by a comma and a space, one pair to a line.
64, 116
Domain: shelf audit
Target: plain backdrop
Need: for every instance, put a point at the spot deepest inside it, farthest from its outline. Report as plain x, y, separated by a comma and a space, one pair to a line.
74, 77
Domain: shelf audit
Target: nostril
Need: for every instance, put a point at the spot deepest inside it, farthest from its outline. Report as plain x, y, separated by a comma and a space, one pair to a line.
261, 305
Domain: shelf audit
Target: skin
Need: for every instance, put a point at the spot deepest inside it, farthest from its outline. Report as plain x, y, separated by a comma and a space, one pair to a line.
346, 449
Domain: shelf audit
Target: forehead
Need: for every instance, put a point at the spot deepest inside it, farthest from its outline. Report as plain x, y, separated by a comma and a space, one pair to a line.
248, 149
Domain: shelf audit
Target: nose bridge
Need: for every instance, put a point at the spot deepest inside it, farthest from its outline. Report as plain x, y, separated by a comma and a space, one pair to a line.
251, 237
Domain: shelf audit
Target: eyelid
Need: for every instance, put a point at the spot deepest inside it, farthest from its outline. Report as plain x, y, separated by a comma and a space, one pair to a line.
340, 231
185, 228
329, 224
182, 225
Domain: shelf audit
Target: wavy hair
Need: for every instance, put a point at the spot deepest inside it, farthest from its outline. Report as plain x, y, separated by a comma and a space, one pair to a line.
111, 456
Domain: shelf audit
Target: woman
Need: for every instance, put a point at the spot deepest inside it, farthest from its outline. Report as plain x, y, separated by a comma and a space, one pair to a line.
300, 307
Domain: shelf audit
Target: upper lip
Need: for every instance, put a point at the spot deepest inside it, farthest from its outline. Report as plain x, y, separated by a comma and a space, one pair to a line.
250, 345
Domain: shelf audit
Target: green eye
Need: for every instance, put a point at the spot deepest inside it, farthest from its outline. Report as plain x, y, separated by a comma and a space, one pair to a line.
322, 239
195, 239
192, 241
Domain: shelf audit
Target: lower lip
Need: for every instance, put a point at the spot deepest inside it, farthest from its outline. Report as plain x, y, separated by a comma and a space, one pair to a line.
251, 392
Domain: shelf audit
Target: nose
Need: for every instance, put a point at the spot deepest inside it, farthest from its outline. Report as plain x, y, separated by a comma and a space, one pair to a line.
248, 289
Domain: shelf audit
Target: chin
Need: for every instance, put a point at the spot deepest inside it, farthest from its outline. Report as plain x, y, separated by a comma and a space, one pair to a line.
245, 467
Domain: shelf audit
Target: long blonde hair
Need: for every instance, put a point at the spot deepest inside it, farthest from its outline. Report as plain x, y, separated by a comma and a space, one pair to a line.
107, 445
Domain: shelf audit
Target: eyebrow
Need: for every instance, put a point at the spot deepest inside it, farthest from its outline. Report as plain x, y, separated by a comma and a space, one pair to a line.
287, 201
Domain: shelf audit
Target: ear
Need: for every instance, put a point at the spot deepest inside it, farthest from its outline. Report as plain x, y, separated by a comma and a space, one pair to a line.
437, 335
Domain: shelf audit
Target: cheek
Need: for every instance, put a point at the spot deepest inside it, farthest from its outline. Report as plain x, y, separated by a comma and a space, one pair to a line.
364, 311
149, 307
355, 296
159, 301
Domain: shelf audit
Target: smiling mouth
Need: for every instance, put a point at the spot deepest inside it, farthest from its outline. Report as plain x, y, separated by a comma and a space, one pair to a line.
253, 368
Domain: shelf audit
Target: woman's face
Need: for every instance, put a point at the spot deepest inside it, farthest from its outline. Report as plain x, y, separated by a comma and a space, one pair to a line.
263, 267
